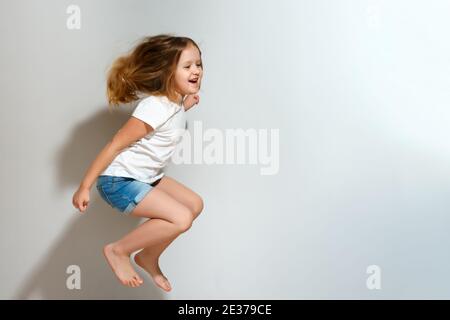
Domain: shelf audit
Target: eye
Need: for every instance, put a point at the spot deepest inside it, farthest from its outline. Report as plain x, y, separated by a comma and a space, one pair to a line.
198, 65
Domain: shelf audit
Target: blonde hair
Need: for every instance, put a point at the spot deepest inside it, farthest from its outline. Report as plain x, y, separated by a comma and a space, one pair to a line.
149, 68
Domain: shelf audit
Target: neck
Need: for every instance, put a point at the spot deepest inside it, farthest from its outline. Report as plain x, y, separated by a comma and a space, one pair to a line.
180, 98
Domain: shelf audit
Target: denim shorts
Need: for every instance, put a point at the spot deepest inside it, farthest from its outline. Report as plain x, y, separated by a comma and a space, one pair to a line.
123, 193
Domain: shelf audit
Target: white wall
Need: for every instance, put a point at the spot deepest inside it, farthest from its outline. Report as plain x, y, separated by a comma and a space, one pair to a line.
357, 89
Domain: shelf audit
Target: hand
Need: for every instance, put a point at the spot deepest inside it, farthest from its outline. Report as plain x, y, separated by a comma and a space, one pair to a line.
190, 100
80, 199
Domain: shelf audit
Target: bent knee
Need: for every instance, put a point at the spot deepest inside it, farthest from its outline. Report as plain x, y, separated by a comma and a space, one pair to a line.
184, 220
197, 206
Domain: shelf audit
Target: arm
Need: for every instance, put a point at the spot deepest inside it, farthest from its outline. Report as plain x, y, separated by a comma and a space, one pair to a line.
103, 159
133, 130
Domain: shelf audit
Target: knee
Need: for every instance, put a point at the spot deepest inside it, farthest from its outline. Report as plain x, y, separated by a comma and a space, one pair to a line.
197, 206
184, 221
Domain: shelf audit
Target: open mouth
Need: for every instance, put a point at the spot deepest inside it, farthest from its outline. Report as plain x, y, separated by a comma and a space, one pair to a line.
193, 81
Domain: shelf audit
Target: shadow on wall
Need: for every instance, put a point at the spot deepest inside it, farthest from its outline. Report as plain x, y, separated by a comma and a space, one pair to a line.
81, 243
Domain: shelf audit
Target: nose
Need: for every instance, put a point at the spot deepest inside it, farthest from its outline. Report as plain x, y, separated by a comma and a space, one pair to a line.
197, 70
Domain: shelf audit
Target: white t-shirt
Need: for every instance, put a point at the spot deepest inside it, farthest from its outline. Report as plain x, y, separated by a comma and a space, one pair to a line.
145, 159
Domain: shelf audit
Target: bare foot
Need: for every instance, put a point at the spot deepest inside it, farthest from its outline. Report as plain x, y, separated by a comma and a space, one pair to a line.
152, 267
121, 266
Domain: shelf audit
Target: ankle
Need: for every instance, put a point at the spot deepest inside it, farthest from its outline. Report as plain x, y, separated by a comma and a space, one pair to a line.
117, 249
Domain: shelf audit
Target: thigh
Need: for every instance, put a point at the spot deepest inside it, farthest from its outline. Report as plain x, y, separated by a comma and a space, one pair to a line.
159, 204
181, 193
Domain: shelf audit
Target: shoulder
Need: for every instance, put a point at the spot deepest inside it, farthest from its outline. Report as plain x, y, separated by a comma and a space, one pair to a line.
152, 110
151, 106
161, 101
153, 103
149, 100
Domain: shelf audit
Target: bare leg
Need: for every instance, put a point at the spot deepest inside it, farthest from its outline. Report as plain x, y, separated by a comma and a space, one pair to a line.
148, 258
169, 218
148, 233
155, 251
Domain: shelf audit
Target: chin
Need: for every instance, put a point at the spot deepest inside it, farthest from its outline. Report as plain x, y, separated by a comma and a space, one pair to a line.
189, 90
192, 91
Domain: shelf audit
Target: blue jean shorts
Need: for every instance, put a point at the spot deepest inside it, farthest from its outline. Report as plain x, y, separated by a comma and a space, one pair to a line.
123, 193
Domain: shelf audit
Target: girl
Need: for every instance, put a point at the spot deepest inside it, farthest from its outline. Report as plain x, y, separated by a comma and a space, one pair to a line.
129, 169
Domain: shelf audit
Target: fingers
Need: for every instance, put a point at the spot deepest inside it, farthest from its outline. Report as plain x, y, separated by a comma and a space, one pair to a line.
81, 206
80, 201
197, 98
84, 206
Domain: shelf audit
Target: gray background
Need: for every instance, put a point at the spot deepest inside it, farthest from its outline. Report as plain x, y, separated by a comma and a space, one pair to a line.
358, 89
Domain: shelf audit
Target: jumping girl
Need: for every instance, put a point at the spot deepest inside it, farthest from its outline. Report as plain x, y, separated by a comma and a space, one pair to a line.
129, 170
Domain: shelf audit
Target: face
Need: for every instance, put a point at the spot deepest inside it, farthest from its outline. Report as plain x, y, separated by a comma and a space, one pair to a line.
189, 71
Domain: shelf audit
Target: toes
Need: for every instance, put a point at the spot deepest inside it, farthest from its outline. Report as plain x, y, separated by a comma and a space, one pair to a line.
128, 283
133, 282
165, 284
139, 281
